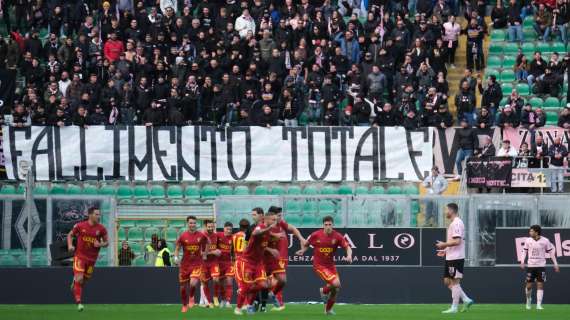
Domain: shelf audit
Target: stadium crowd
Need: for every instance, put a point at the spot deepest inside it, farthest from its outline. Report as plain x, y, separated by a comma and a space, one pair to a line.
267, 63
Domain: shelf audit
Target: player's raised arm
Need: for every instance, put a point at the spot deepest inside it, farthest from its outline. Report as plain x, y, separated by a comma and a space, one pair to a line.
259, 231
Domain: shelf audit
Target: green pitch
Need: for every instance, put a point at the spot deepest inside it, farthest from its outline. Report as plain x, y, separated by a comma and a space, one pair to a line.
301, 312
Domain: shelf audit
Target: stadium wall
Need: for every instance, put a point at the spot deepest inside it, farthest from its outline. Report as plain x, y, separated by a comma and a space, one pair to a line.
360, 285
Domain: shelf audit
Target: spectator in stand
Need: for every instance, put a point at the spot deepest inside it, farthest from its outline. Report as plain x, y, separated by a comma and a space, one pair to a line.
521, 68
126, 255
543, 22
452, 29
528, 117
389, 117
435, 184
539, 118
524, 151
80, 117
499, 16
516, 102
492, 94
508, 118
465, 103
113, 48
468, 142
561, 14
484, 119
506, 150
514, 21
411, 120
549, 84
19, 117
361, 111
539, 149
564, 119
537, 67
557, 152
475, 34
488, 148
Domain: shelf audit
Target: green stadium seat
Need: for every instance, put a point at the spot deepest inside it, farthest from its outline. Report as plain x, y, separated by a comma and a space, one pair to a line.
139, 262
551, 103
507, 76
310, 190
171, 234
536, 102
144, 223
292, 207
73, 189
294, 219
157, 192
551, 118
411, 190
8, 189
528, 22
174, 191
503, 101
9, 261
361, 190
277, 190
494, 72
294, 190
261, 191
57, 188
107, 189
310, 220
121, 234
545, 49
508, 62
377, 190
135, 234
149, 232
494, 62
326, 208
89, 189
394, 190
136, 247
124, 192
559, 47
328, 190
140, 192
357, 219
39, 260
225, 191
241, 191
528, 49
507, 89
209, 191
510, 48
498, 35
177, 223
127, 223
529, 34
374, 220
310, 207
22, 189
345, 189
496, 48
523, 89
192, 192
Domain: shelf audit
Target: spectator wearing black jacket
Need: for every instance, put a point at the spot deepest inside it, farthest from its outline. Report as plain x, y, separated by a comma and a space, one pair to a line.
508, 118
58, 118
484, 119
268, 118
492, 94
549, 84
361, 111
487, 149
330, 116
442, 118
155, 115
411, 120
468, 142
537, 67
465, 103
98, 117
389, 117
80, 117
557, 153
499, 16
564, 118
514, 22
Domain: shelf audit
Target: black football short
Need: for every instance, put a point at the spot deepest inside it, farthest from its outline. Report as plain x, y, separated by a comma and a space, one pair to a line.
454, 269
535, 274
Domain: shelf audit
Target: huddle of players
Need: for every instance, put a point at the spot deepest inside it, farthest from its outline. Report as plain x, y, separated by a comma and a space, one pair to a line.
210, 255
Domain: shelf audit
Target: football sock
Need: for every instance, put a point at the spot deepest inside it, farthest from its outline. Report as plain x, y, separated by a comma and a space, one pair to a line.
77, 290
464, 296
206, 293
184, 294
217, 289
330, 304
229, 291
539, 296
528, 293
455, 295
264, 295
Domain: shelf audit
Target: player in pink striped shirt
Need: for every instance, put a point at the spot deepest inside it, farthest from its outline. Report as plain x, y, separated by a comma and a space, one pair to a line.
536, 249
453, 249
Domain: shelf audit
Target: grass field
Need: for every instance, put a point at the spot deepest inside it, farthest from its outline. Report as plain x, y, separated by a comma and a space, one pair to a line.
352, 312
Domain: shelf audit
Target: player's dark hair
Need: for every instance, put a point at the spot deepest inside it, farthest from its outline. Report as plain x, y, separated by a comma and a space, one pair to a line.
536, 228
278, 209
206, 222
328, 219
191, 218
453, 207
243, 224
273, 209
228, 224
271, 213
258, 210
92, 210
162, 243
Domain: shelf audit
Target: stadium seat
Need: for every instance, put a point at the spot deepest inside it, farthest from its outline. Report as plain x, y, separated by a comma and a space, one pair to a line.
39, 260
551, 103
292, 207
361, 190
326, 208
124, 192
498, 35
310, 220
310, 190
136, 247
529, 35
345, 189
508, 62
507, 88
89, 189
294, 219
377, 190
177, 223
528, 49
8, 189
277, 190
494, 62
536, 102
22, 189
394, 190
209, 191
545, 49
144, 223
560, 48
328, 190
496, 48
261, 191
57, 188
241, 191
510, 48
171, 234
507, 76
107, 189
9, 261
148, 233
139, 262
174, 191
528, 21
294, 190
121, 234
411, 190
192, 192
140, 192
156, 192
225, 191
357, 219
374, 220
551, 118
494, 72
73, 189
523, 89
135, 234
